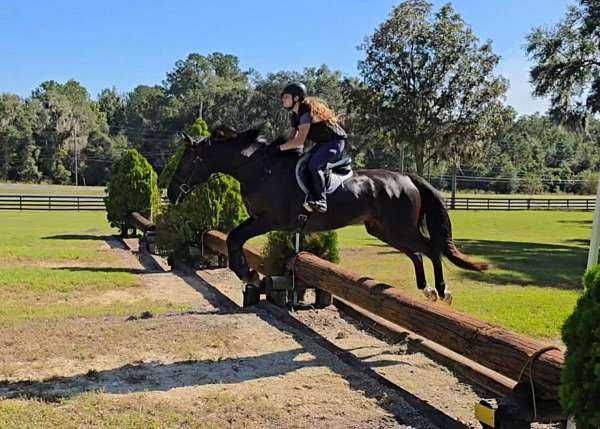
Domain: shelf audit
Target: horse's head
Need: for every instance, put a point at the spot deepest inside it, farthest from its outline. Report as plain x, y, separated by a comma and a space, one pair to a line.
225, 151
192, 169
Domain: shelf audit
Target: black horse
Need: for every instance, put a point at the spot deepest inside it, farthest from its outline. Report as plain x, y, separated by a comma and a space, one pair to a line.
393, 207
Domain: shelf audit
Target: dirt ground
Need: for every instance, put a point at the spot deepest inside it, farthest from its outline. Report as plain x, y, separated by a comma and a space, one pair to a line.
216, 366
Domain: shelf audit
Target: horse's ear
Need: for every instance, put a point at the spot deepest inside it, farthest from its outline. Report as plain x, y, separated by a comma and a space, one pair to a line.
222, 132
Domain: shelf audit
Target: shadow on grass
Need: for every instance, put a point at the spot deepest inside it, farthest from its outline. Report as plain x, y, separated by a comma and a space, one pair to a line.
518, 263
577, 222
108, 270
111, 240
78, 237
528, 264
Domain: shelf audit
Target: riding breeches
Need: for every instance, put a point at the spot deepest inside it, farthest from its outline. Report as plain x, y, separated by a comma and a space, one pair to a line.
322, 154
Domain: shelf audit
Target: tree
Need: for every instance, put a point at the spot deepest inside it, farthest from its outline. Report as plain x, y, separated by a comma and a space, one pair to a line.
98, 157
132, 188
567, 64
65, 119
113, 105
209, 86
428, 82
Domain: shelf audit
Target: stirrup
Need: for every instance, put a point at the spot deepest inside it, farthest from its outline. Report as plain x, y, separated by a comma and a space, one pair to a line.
319, 206
306, 204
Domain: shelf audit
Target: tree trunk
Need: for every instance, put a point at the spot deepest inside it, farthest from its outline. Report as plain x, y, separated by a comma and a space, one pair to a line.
401, 148
420, 156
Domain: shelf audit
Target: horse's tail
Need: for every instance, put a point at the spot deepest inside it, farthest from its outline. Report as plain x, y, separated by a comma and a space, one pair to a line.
439, 226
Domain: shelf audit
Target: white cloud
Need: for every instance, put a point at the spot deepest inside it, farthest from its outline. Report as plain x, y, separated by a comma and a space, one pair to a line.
516, 69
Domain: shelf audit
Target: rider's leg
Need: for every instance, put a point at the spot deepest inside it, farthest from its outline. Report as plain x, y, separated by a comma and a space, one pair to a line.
324, 153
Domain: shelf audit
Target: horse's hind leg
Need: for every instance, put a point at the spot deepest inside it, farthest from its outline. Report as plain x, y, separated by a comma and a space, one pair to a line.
423, 245
416, 259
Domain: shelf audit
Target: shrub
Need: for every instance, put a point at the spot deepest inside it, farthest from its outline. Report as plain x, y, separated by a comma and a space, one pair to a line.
216, 204
580, 379
133, 187
280, 248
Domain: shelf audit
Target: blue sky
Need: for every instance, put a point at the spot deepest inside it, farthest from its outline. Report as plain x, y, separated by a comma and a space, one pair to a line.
127, 43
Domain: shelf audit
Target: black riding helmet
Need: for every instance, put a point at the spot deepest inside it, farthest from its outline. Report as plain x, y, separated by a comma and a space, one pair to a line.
295, 90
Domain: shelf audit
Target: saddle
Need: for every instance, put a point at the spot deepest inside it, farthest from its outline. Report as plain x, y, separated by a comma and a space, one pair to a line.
335, 173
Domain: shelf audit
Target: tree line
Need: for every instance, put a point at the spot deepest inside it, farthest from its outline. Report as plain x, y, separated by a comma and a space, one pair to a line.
428, 99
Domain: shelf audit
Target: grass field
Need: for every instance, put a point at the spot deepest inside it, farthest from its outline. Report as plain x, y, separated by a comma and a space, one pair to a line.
538, 260
62, 286
35, 189
55, 265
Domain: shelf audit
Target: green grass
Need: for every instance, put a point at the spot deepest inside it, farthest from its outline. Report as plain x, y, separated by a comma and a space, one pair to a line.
213, 409
538, 260
53, 265
52, 236
39, 280
58, 311
38, 189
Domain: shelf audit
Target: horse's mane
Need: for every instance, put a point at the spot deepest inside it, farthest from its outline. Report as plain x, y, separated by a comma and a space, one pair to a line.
255, 135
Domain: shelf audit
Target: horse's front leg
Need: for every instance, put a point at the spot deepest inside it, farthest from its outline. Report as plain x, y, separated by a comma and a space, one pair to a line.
235, 243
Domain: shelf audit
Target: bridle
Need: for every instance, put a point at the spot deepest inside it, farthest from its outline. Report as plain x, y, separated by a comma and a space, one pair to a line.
185, 187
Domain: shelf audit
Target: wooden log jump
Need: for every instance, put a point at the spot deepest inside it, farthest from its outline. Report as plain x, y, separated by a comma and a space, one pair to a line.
494, 347
138, 221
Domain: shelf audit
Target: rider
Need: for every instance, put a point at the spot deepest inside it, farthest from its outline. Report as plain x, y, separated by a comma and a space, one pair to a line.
313, 119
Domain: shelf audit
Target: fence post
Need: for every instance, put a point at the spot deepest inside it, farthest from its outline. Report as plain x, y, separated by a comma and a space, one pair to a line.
20, 203
77, 203
508, 204
528, 203
49, 203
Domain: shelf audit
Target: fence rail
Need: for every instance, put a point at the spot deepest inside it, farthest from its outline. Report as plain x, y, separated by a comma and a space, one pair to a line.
95, 202
52, 202
477, 203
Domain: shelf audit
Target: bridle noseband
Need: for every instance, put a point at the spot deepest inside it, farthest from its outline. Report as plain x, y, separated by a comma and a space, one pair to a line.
185, 188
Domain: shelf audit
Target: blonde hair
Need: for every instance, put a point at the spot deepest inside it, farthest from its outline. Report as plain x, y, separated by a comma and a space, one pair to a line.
320, 111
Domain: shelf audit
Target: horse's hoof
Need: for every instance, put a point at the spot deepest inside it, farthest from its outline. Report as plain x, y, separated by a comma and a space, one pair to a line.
252, 278
448, 297
430, 294
251, 295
